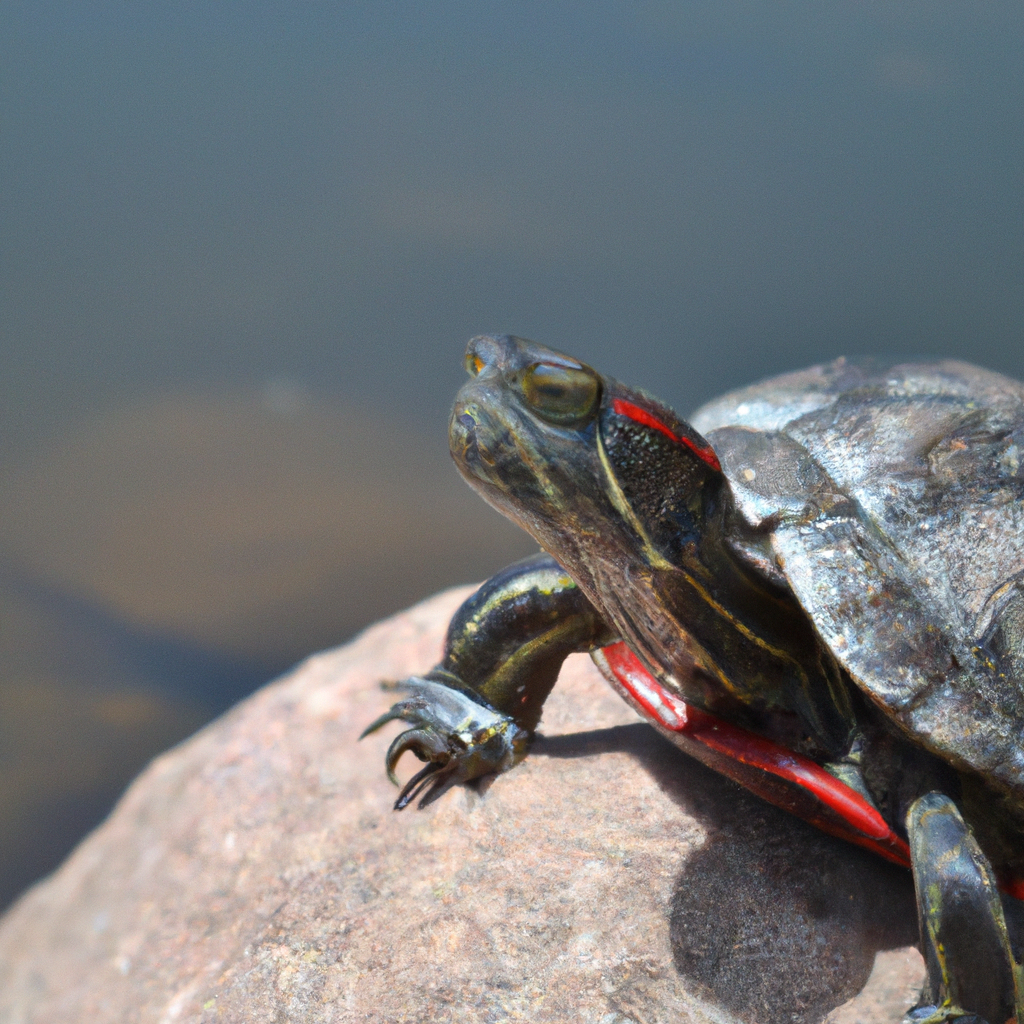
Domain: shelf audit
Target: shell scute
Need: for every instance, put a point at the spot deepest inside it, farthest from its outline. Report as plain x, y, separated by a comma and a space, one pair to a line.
895, 497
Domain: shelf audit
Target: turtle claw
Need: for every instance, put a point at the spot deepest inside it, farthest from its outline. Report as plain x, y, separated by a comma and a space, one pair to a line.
459, 738
426, 744
432, 780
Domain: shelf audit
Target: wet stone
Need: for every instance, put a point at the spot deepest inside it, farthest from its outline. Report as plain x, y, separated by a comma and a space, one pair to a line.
258, 873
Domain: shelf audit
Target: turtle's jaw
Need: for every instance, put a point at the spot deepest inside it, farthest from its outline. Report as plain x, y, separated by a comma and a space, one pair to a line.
488, 457
480, 445
470, 441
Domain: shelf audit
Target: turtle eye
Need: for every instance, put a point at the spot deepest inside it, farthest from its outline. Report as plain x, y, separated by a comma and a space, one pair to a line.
474, 364
561, 394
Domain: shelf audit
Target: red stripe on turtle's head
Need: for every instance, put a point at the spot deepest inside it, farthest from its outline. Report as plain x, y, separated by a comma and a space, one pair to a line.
681, 434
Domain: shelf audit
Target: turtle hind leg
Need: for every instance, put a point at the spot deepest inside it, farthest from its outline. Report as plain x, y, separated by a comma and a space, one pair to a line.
971, 970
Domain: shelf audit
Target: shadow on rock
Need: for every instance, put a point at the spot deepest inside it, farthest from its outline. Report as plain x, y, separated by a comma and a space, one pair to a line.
771, 918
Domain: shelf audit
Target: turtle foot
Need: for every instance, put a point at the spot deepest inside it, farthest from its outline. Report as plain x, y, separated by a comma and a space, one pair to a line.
941, 1015
459, 738
972, 974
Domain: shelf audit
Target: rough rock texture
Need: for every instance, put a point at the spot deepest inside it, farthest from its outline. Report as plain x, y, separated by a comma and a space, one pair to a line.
258, 873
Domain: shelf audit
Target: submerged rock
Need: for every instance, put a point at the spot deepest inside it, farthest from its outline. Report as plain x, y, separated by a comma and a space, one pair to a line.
258, 873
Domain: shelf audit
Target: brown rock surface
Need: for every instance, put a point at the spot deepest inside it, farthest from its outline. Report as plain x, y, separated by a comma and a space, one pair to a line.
257, 873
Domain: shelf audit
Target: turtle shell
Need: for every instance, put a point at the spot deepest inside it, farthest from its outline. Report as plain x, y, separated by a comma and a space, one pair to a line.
892, 500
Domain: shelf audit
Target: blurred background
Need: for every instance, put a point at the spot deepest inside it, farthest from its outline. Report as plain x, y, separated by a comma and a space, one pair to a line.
243, 246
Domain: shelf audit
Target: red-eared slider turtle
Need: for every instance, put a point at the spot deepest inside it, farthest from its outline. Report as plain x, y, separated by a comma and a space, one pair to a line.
817, 588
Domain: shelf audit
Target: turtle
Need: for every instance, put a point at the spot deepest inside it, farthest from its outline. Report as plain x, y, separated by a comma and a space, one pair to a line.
815, 586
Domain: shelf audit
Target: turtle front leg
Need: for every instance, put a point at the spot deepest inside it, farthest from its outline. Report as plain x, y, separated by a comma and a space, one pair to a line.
475, 712
971, 970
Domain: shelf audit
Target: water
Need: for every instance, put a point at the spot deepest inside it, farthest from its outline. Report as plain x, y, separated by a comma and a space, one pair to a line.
243, 246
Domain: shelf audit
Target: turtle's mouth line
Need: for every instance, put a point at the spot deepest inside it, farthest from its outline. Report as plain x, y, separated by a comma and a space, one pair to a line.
472, 448
470, 455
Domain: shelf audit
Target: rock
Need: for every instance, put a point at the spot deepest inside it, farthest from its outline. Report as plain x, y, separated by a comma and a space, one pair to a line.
258, 873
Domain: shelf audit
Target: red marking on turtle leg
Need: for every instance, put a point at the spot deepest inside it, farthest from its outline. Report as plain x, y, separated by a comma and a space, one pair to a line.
754, 761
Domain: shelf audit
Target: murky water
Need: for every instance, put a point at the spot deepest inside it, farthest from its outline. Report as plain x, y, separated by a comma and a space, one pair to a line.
242, 248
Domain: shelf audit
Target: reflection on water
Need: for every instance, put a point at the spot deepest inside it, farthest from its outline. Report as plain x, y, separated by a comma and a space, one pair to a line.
85, 700
169, 558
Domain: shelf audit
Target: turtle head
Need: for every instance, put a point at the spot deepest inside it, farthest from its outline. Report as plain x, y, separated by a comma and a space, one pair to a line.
591, 468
